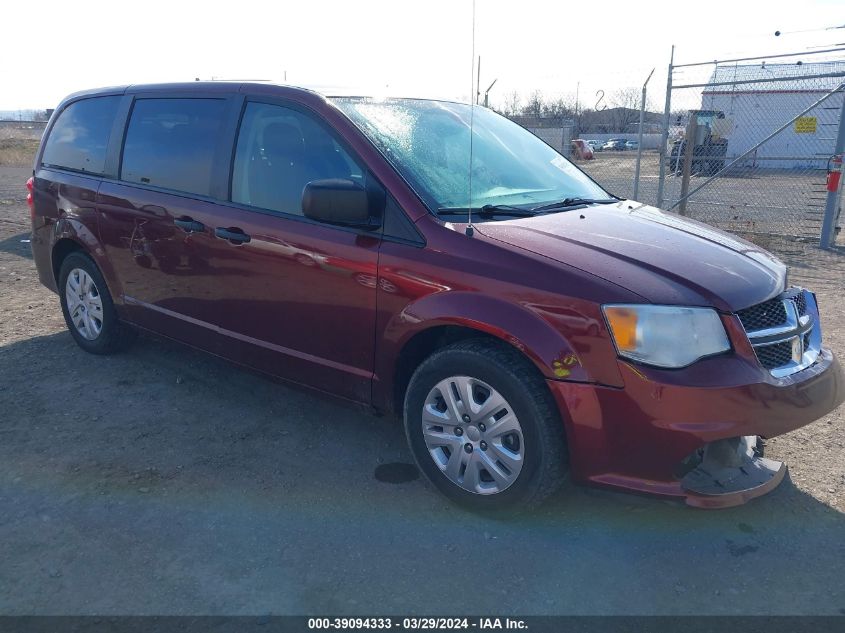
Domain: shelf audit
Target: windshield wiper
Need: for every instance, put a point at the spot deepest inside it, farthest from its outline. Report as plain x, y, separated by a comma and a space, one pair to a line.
489, 210
568, 203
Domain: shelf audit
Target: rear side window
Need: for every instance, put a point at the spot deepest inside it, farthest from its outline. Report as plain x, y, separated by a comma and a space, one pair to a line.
80, 136
170, 143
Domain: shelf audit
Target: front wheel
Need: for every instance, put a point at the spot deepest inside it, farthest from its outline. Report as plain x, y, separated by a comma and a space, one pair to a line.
483, 427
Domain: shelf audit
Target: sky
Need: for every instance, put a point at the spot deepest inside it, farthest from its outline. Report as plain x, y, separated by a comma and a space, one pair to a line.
399, 47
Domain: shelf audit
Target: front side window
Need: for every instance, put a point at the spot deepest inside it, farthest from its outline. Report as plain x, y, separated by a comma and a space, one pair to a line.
279, 151
170, 143
428, 142
80, 136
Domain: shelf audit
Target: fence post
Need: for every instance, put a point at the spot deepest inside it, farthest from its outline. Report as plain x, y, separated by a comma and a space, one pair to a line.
828, 229
640, 140
664, 137
689, 154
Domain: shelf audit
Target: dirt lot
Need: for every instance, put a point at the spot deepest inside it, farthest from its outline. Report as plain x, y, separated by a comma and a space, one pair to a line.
165, 481
18, 142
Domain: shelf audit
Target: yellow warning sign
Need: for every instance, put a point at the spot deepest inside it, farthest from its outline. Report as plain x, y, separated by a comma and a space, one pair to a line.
805, 125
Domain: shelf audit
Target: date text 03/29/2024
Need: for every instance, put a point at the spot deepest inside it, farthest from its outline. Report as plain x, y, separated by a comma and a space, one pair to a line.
417, 623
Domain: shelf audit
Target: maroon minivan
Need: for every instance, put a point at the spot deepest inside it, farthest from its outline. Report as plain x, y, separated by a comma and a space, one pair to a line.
525, 323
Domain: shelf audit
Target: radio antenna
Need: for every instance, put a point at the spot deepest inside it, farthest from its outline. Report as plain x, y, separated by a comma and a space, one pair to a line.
469, 229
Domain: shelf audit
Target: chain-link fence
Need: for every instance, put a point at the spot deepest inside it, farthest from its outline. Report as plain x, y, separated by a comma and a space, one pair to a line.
745, 145
622, 132
749, 143
615, 168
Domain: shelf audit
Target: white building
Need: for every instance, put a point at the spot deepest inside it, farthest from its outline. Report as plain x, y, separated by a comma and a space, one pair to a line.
772, 95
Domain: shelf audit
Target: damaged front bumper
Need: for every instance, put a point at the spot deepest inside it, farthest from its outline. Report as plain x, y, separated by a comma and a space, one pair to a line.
688, 434
730, 472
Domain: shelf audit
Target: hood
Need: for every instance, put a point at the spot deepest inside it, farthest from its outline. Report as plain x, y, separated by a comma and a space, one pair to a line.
662, 257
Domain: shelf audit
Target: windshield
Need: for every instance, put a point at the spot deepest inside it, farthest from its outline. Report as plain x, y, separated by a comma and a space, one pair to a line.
428, 143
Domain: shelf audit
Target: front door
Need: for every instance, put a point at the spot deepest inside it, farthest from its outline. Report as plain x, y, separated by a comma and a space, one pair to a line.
297, 299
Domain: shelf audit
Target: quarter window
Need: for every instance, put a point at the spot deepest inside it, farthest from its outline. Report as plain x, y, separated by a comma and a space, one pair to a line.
279, 151
170, 143
80, 136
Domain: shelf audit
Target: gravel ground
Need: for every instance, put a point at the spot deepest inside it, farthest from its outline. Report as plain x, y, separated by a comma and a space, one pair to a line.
166, 481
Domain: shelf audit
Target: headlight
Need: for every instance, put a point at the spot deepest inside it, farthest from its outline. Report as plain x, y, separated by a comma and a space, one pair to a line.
665, 336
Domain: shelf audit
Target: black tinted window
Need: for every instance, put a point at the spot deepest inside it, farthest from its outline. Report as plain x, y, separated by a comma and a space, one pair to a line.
80, 136
281, 150
170, 143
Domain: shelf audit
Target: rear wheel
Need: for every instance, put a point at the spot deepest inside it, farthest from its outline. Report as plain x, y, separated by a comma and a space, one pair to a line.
88, 308
483, 427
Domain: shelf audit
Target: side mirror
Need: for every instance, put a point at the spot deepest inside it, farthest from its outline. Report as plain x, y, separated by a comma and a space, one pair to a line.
337, 201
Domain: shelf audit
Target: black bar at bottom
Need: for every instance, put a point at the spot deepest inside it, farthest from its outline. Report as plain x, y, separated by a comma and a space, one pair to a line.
372, 624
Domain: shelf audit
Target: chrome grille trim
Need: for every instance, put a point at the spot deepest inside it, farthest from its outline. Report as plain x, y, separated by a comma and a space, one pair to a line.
792, 339
763, 315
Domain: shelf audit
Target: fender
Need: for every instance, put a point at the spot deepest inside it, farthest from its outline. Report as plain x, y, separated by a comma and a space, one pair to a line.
548, 348
79, 229
512, 323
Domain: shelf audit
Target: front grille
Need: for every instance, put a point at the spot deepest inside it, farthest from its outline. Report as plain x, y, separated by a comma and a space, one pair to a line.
784, 332
776, 355
764, 315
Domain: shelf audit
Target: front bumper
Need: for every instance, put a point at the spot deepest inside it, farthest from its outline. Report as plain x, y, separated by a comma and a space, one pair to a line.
638, 437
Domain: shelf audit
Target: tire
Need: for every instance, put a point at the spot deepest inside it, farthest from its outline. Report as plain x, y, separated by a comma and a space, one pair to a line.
112, 336
491, 368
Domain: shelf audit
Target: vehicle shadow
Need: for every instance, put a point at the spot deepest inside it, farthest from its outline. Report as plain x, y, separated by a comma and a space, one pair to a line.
187, 471
16, 246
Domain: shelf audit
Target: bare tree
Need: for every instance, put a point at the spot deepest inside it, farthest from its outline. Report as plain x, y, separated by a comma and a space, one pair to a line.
626, 104
512, 105
535, 104
626, 98
558, 108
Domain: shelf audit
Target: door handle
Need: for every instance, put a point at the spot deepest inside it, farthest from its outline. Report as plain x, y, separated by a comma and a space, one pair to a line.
233, 234
189, 225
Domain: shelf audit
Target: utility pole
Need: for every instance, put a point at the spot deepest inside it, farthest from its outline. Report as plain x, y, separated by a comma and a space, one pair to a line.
577, 108
577, 96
